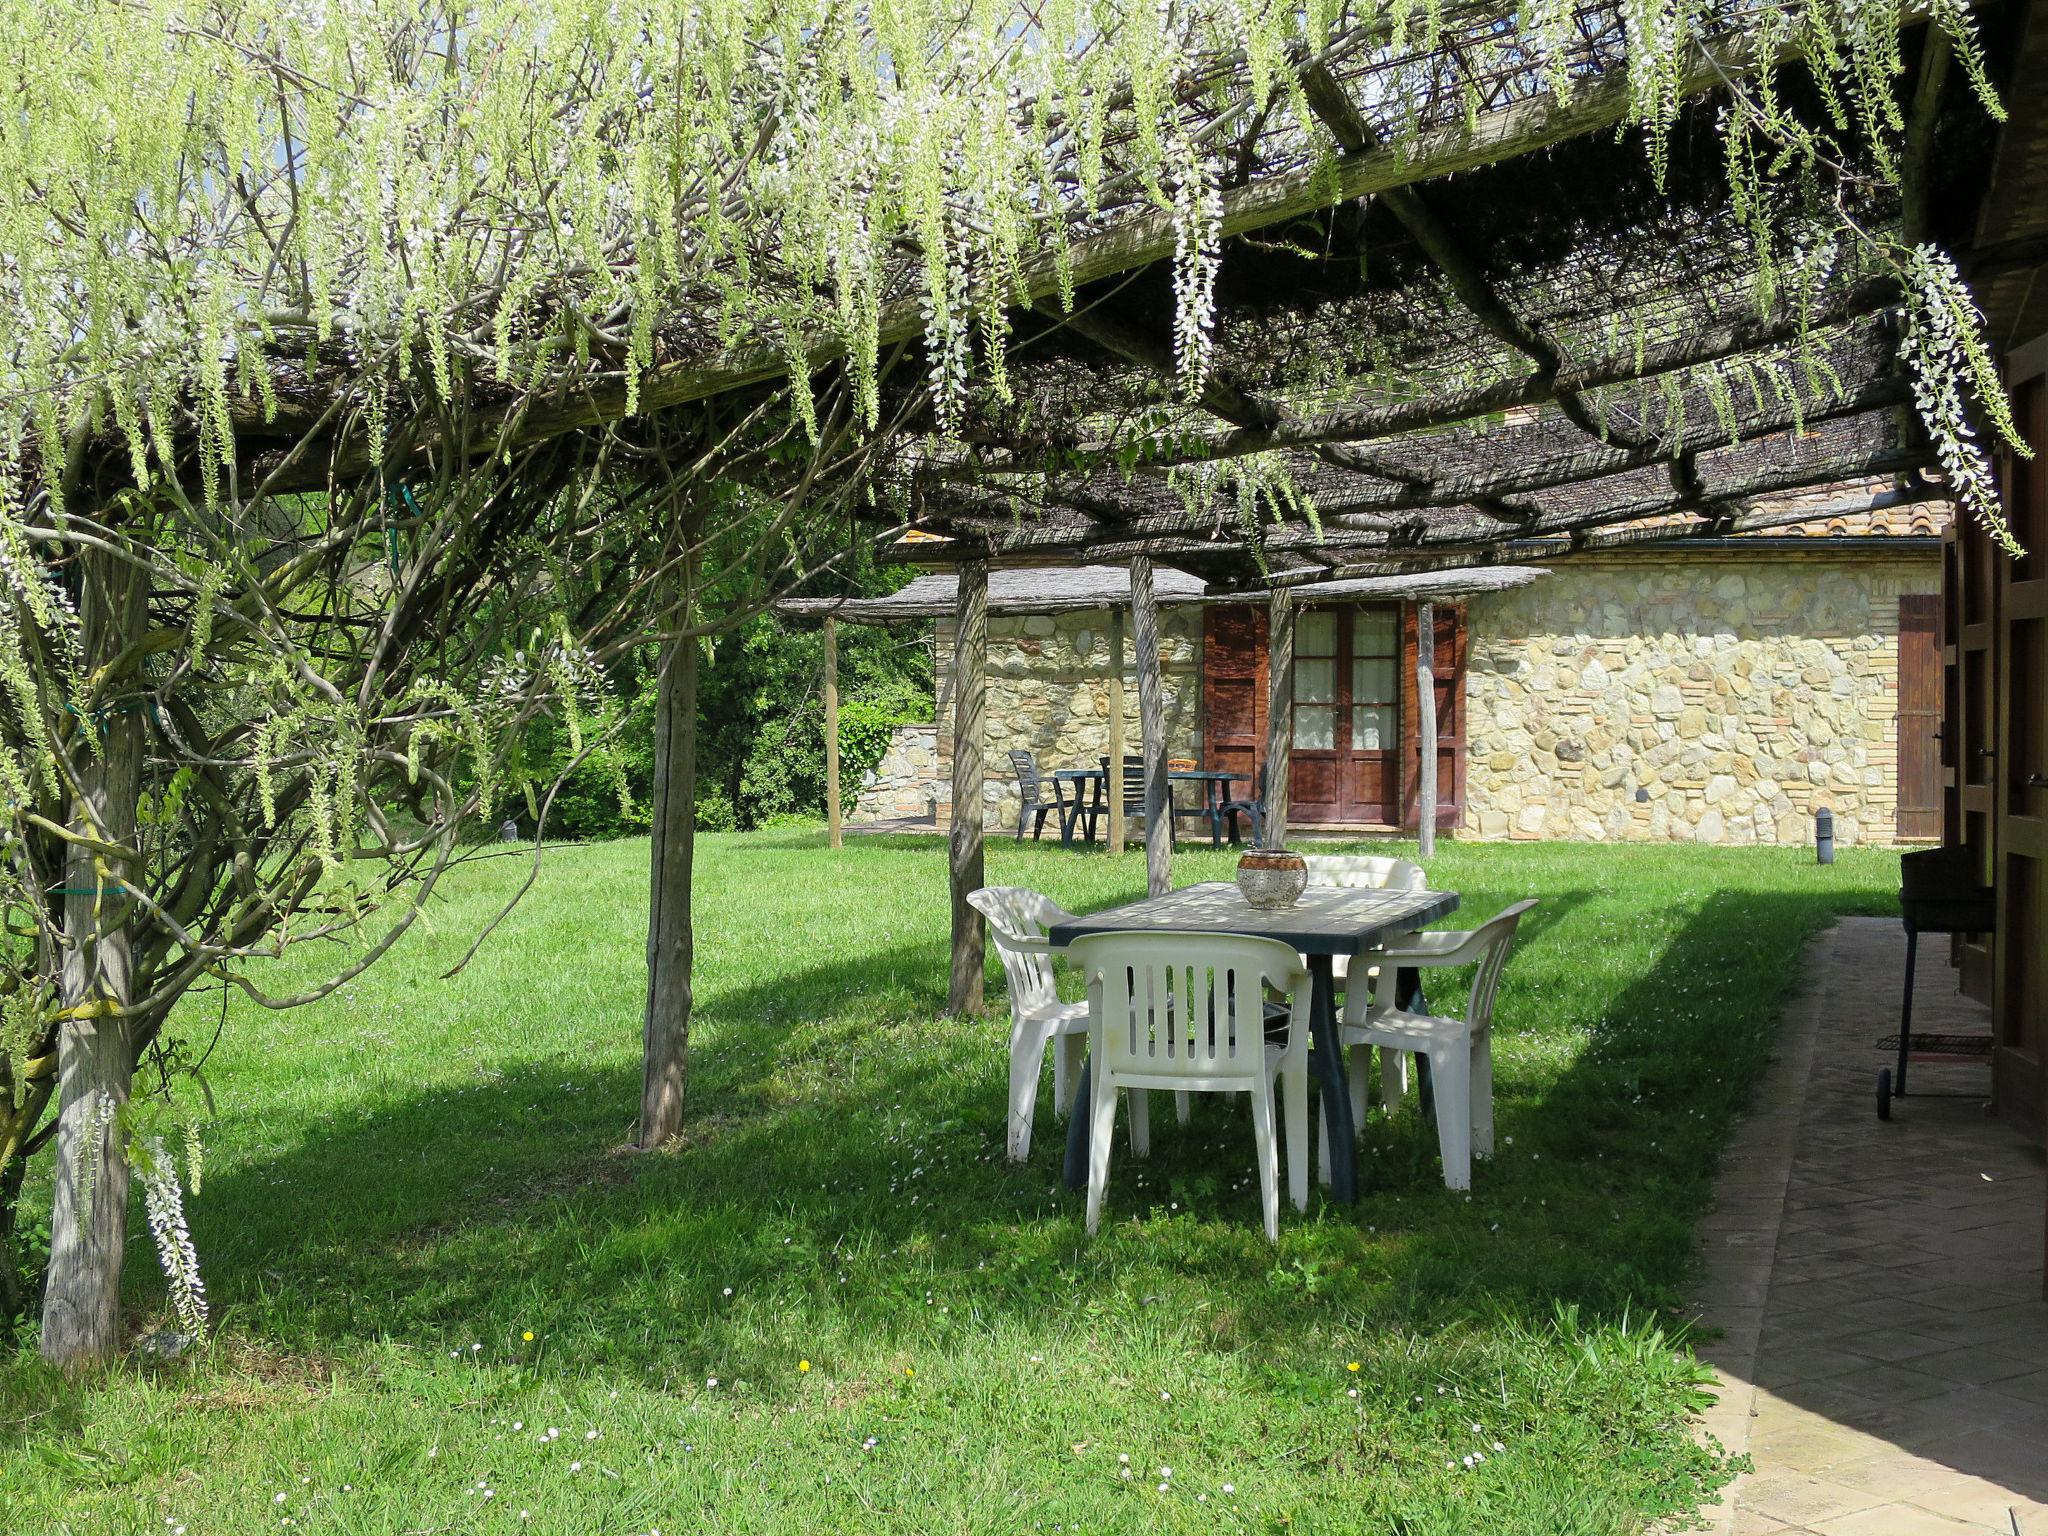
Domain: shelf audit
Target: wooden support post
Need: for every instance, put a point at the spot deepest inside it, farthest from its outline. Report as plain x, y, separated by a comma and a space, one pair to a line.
970, 699
1116, 729
832, 731
1425, 711
1279, 711
671, 940
1152, 729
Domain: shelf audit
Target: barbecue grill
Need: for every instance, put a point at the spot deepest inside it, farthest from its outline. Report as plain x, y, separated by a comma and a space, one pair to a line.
1939, 892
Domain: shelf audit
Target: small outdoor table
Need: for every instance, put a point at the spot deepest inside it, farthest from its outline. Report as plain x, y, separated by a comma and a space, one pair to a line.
1327, 922
1091, 799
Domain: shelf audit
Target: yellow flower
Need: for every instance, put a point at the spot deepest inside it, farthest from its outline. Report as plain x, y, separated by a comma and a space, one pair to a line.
803, 1365
908, 1372
1353, 1366
528, 1336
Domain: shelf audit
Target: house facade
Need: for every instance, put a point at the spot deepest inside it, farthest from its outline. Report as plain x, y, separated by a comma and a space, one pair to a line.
1722, 692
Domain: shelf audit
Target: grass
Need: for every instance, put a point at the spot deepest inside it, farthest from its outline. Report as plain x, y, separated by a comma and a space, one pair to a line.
447, 1302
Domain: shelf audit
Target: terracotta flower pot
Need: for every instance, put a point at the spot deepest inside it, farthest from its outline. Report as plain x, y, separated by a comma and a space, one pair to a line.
1272, 878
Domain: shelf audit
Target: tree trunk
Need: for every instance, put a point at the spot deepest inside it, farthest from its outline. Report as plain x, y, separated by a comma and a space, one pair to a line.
1152, 729
1279, 712
666, 1034
970, 704
96, 1045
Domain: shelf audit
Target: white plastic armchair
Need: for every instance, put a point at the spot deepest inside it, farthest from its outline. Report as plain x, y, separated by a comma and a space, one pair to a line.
1187, 1012
1018, 919
1460, 1051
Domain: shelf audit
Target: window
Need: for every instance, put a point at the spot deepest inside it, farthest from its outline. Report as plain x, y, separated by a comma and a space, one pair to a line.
1375, 680
1315, 680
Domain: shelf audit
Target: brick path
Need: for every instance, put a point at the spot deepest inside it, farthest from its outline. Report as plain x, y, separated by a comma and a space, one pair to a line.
1885, 1344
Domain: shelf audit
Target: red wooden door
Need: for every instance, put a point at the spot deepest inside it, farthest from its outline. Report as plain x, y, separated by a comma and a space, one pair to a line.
1344, 762
1919, 812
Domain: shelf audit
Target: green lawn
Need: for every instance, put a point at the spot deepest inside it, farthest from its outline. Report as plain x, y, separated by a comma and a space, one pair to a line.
410, 1180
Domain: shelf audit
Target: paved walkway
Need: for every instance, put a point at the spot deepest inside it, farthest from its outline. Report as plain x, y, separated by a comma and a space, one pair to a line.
1885, 1344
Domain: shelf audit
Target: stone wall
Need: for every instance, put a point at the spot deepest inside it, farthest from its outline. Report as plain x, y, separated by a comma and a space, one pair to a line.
903, 786
1715, 698
1048, 694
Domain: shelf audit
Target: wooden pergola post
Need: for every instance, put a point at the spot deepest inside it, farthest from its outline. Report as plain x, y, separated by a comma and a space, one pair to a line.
671, 941
1279, 711
832, 829
1425, 721
1116, 728
1152, 727
970, 700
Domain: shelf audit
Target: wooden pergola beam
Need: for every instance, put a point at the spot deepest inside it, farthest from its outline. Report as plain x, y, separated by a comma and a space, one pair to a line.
1333, 106
1713, 342
1475, 488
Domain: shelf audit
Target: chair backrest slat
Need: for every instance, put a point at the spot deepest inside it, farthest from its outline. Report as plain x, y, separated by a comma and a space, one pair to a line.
1027, 771
1498, 935
1185, 1005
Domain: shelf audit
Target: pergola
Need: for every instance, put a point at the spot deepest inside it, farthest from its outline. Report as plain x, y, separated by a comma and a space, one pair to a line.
1458, 324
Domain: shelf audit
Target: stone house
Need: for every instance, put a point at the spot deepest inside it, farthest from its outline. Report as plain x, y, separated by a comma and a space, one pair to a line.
1718, 691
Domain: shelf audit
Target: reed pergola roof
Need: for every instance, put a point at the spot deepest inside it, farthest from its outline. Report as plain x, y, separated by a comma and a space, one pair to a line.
1506, 330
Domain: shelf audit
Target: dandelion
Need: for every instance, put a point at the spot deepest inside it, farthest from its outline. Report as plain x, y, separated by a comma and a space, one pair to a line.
1352, 1367
527, 1336
803, 1365
908, 1372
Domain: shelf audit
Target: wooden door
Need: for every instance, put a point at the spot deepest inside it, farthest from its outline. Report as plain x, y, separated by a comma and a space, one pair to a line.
2020, 785
1450, 720
1346, 716
1344, 761
1919, 719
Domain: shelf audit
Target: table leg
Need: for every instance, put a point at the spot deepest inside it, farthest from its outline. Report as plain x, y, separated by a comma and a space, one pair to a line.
1329, 1066
1077, 1127
1067, 813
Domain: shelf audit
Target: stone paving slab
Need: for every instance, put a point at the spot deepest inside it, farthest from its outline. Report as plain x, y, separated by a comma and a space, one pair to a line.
1877, 1287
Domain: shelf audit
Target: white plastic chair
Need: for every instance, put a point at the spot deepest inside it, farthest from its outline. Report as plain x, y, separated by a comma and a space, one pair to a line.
1018, 918
1371, 872
1187, 1012
1460, 1051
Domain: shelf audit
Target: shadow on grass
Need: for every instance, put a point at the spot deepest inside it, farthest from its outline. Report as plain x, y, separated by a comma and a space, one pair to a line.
840, 1166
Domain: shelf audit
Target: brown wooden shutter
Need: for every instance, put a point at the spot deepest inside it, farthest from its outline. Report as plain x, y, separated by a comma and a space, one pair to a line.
1450, 718
1234, 690
1919, 811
